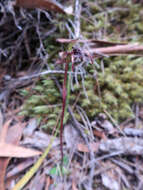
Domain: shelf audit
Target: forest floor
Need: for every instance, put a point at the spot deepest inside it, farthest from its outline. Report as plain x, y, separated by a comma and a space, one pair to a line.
71, 95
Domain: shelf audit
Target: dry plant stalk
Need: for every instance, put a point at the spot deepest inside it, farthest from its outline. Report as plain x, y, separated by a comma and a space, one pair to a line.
118, 50
113, 48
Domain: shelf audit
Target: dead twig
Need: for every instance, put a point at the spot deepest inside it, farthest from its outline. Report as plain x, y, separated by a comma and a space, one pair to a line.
119, 50
127, 49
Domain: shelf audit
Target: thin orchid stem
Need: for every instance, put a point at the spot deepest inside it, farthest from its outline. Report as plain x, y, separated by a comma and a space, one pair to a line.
64, 94
65, 103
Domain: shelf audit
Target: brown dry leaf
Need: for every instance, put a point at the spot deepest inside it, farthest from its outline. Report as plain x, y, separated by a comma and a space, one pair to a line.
83, 148
9, 138
3, 161
10, 150
13, 136
3, 165
99, 134
42, 4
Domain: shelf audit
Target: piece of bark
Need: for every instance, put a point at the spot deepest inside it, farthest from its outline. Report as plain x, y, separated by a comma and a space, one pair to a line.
125, 145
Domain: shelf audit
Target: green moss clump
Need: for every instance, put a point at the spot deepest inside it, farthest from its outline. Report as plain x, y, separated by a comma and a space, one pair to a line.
114, 20
43, 101
121, 86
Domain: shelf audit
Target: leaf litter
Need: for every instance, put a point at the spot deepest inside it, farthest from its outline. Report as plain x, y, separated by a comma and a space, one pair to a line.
99, 152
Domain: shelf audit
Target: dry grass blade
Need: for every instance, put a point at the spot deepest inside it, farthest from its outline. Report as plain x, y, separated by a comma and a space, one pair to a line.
33, 169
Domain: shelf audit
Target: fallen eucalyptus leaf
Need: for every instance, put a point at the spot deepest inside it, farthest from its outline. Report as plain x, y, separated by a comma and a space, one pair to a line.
10, 150
42, 4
